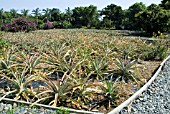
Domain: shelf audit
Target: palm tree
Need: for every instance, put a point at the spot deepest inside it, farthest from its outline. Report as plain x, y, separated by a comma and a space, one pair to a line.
13, 13
36, 13
1, 14
68, 15
47, 13
25, 12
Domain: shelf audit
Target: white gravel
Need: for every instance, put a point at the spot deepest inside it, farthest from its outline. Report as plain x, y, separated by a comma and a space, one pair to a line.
156, 100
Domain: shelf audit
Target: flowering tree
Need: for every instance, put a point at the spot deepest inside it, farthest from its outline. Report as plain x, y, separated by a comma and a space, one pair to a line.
48, 25
19, 24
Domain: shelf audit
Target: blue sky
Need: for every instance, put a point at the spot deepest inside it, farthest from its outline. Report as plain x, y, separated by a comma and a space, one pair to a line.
64, 4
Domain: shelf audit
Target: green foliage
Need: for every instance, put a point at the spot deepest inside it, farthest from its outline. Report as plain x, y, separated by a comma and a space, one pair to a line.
112, 16
159, 51
150, 54
65, 24
10, 112
98, 65
131, 20
14, 13
84, 16
3, 44
160, 35
1, 16
126, 70
162, 52
154, 18
62, 111
165, 4
107, 23
47, 14
25, 12
20, 76
109, 92
57, 91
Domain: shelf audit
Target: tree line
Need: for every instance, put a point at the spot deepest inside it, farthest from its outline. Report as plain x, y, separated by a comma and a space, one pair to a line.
152, 18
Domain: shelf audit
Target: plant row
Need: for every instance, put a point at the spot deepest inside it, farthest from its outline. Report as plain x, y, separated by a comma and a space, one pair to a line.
79, 73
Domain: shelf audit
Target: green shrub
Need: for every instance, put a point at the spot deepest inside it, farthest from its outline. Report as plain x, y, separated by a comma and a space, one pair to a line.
157, 52
56, 24
162, 52
40, 24
3, 44
149, 54
66, 24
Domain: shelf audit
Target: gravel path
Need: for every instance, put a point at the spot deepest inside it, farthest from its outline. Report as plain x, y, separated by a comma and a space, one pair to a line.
20, 109
156, 100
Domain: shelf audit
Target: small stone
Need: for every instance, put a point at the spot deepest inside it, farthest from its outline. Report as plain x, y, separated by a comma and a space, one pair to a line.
137, 100
141, 99
6, 108
4, 105
49, 111
9, 106
133, 109
1, 108
15, 105
145, 98
27, 113
95, 110
166, 106
23, 110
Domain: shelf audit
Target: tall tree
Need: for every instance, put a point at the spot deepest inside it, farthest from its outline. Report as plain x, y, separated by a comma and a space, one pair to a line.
6, 17
14, 13
68, 15
165, 4
113, 13
25, 12
133, 21
55, 14
78, 17
36, 13
1, 14
47, 14
92, 15
154, 19
84, 16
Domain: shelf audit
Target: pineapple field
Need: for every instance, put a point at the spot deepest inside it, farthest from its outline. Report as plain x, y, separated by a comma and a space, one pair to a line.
76, 68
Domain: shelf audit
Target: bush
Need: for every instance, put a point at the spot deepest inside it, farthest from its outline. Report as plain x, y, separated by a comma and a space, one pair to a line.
48, 25
57, 24
150, 54
66, 24
19, 25
3, 44
158, 52
40, 24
